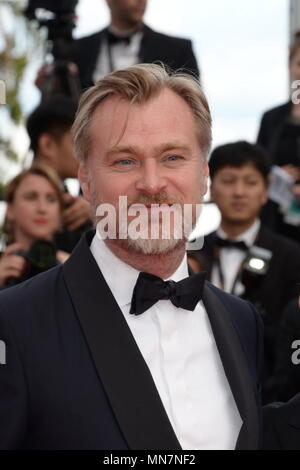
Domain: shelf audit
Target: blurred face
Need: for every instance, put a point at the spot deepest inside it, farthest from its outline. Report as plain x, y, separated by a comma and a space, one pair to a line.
148, 152
67, 165
295, 66
239, 193
35, 210
59, 154
127, 12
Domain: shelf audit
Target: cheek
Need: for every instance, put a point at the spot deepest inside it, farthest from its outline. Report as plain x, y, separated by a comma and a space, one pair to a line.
55, 214
23, 210
192, 183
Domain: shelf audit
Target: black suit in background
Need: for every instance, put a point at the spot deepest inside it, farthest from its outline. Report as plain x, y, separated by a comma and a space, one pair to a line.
286, 378
75, 378
270, 129
276, 288
282, 425
280, 137
175, 52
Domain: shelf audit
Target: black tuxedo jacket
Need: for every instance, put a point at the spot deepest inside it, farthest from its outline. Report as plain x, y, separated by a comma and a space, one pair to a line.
282, 425
74, 377
279, 285
175, 52
271, 125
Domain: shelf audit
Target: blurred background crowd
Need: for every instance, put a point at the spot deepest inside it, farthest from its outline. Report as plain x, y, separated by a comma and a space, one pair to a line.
246, 59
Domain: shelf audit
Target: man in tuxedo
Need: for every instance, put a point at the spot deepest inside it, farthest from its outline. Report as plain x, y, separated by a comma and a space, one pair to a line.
120, 348
243, 257
128, 41
281, 421
282, 425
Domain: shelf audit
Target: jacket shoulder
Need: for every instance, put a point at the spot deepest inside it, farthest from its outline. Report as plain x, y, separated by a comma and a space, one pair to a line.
166, 38
277, 112
31, 297
271, 239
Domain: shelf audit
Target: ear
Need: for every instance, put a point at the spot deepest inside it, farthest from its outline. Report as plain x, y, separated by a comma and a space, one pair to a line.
84, 180
47, 149
10, 213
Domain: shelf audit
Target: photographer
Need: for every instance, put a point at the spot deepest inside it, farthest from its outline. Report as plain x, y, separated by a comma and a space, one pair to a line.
34, 210
49, 130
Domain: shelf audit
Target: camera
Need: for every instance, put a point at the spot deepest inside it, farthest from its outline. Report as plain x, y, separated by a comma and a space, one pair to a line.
59, 19
40, 257
255, 267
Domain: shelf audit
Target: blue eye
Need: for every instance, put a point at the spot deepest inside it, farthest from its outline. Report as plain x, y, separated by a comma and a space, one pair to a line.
126, 162
173, 158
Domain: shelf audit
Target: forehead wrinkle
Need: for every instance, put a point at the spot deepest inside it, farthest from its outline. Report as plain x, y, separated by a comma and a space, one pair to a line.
176, 145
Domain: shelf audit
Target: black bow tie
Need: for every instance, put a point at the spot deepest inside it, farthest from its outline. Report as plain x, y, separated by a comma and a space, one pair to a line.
149, 289
113, 38
225, 243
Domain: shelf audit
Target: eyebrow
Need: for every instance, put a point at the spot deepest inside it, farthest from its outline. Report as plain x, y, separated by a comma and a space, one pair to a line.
158, 149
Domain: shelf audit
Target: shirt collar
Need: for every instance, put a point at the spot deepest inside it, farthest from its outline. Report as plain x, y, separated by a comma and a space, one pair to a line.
249, 236
125, 34
119, 276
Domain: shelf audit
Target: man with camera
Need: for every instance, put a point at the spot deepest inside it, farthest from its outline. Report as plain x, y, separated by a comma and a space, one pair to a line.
128, 41
243, 257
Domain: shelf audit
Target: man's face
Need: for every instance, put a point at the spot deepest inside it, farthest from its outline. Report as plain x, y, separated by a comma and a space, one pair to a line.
239, 193
148, 152
128, 11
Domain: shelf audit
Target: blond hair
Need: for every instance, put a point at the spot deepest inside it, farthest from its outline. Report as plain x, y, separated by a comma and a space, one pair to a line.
138, 84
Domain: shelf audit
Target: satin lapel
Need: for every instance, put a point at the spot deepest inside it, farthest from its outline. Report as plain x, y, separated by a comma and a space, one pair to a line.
236, 368
118, 361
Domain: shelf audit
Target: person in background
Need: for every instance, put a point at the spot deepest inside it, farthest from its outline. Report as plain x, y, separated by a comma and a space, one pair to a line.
34, 212
128, 41
243, 257
281, 421
49, 130
286, 377
279, 135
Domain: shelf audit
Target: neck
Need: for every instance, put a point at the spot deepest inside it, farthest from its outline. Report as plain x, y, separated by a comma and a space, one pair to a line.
124, 27
234, 230
163, 265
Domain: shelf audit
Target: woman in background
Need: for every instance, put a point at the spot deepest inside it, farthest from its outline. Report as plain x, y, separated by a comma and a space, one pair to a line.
34, 209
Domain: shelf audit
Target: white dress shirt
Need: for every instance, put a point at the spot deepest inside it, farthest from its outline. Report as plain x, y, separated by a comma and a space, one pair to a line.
179, 349
122, 55
231, 259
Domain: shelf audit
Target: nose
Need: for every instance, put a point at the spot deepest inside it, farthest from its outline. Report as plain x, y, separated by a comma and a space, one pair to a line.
239, 188
150, 180
42, 205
